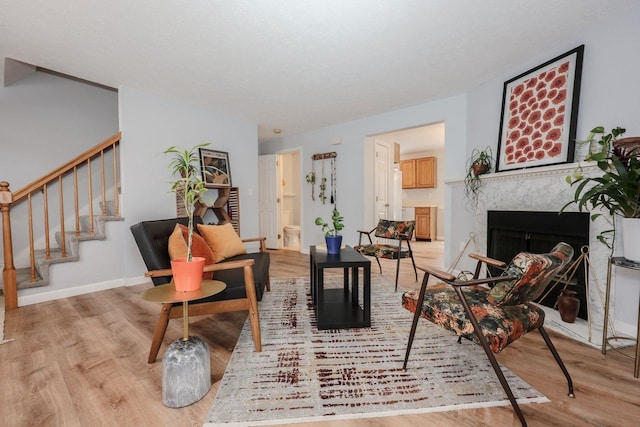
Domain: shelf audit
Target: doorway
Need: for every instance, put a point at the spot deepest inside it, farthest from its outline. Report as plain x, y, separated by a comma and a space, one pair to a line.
404, 145
280, 199
290, 208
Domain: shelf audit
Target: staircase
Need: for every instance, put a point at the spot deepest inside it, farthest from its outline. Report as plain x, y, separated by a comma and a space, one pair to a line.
72, 244
88, 187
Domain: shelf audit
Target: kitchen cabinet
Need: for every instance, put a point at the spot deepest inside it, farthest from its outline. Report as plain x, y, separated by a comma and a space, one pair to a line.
418, 173
425, 223
407, 167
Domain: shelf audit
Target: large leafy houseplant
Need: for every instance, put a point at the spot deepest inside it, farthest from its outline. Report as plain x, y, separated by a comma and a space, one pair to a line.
616, 190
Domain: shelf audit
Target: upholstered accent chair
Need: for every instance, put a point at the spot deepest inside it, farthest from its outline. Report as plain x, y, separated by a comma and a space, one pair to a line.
394, 231
246, 276
493, 316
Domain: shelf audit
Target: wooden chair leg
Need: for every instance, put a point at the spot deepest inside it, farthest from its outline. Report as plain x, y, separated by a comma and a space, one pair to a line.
556, 356
158, 334
379, 266
254, 318
268, 283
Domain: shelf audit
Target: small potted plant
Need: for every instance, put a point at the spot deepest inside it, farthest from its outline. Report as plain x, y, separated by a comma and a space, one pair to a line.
616, 191
331, 236
190, 187
479, 163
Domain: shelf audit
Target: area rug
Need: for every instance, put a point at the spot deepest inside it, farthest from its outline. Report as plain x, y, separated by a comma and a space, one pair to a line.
2, 340
304, 375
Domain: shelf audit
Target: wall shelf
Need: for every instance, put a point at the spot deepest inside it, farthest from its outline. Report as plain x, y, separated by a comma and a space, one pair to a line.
226, 207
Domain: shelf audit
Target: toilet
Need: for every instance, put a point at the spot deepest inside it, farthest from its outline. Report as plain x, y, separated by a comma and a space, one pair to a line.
291, 232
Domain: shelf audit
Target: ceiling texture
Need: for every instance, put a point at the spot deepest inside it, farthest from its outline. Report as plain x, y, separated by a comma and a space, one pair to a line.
294, 65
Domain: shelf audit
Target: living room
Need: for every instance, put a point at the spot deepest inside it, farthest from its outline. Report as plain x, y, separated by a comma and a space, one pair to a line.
150, 122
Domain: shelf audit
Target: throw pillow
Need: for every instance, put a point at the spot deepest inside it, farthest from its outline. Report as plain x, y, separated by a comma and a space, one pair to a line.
223, 240
199, 247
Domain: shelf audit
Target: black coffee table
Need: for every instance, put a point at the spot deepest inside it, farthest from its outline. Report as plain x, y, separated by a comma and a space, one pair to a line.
339, 308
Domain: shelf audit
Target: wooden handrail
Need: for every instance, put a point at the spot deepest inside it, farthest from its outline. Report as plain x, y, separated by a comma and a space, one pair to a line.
35, 185
9, 199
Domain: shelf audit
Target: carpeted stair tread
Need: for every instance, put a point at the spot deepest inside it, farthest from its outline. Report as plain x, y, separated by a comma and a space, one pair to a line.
42, 264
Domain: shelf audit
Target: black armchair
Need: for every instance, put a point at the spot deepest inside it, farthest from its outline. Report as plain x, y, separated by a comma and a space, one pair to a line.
246, 277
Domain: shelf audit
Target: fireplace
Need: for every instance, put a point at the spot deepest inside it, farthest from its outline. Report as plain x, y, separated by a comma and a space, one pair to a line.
510, 232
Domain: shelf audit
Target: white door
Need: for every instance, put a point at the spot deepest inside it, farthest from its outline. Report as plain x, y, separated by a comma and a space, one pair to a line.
382, 173
269, 200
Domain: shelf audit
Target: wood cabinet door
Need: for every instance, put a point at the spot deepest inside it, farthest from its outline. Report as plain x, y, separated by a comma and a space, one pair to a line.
423, 223
426, 172
407, 167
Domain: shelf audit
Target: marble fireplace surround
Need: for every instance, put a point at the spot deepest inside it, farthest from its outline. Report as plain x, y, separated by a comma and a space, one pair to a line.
545, 189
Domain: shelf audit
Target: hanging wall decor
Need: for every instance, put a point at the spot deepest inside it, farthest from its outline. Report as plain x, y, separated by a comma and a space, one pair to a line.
539, 114
311, 179
216, 163
323, 178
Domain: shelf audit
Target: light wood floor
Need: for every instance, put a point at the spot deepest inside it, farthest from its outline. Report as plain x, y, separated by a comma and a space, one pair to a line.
81, 361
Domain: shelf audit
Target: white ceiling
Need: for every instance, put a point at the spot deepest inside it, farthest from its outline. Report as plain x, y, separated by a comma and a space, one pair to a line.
291, 64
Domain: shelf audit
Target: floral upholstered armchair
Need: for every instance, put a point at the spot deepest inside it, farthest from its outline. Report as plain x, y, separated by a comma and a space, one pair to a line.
492, 317
400, 231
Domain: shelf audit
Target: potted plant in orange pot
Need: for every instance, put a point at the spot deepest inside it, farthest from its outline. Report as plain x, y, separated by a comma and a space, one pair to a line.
190, 187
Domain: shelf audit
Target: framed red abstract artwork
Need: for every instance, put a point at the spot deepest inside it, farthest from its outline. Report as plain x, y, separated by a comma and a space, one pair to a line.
539, 114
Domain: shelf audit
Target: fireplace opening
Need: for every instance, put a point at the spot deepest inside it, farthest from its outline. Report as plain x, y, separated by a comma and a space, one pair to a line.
511, 232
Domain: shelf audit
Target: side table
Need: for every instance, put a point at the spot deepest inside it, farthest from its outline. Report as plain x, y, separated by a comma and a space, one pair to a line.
340, 308
622, 263
186, 365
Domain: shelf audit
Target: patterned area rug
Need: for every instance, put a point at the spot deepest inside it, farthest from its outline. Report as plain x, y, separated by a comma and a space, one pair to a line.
303, 374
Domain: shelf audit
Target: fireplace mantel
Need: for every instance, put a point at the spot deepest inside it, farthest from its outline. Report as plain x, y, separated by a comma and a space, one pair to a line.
545, 189
562, 169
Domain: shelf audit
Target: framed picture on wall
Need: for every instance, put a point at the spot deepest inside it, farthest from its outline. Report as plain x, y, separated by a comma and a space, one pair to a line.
216, 165
539, 114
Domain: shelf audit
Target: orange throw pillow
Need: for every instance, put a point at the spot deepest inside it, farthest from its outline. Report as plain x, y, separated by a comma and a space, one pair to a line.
199, 247
223, 240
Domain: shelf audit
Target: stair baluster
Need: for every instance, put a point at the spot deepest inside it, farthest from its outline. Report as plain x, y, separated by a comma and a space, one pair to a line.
8, 200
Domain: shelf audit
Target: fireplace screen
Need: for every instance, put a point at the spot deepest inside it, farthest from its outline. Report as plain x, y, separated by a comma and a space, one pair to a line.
511, 232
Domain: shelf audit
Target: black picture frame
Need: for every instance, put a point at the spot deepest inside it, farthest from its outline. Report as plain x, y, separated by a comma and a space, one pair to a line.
216, 163
540, 113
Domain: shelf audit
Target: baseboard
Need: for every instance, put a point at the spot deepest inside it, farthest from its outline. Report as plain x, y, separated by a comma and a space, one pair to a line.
132, 281
70, 292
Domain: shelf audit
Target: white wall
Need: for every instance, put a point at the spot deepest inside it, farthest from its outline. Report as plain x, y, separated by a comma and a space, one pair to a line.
45, 121
150, 124
354, 180
609, 96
